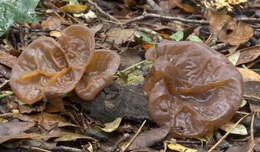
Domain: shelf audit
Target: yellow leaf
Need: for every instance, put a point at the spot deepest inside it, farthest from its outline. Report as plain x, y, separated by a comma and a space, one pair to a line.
74, 8
180, 148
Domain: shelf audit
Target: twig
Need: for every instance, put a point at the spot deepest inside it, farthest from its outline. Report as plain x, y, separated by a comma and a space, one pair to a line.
137, 133
104, 13
220, 46
227, 133
252, 141
151, 15
4, 83
131, 67
247, 19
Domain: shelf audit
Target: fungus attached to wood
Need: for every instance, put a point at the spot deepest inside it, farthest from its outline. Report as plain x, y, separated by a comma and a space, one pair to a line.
47, 67
191, 88
103, 65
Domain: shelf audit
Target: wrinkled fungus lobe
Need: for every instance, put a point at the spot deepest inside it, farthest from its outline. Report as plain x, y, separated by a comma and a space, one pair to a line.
103, 65
47, 67
191, 88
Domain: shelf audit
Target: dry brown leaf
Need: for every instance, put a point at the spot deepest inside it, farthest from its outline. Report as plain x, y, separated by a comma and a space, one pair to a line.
13, 130
51, 23
149, 138
249, 54
47, 120
249, 75
227, 30
236, 33
7, 59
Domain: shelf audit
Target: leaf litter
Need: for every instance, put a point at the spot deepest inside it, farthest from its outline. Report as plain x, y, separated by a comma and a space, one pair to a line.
118, 25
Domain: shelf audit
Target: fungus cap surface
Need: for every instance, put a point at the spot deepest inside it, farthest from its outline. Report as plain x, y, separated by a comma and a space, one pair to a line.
191, 88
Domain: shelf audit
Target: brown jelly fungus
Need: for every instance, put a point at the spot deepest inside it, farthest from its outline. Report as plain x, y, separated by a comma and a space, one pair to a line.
103, 65
47, 67
191, 88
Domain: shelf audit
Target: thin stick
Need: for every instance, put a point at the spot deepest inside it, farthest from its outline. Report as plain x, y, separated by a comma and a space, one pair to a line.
104, 13
4, 83
247, 19
133, 66
151, 15
227, 133
137, 133
252, 141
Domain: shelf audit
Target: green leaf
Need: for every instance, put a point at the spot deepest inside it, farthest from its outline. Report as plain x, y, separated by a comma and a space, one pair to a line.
111, 126
195, 38
6, 93
177, 36
146, 37
16, 10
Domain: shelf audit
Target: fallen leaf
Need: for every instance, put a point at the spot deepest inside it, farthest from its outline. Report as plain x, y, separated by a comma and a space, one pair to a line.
228, 30
111, 126
146, 45
177, 36
74, 8
47, 120
96, 28
146, 37
69, 136
51, 23
249, 75
194, 38
238, 130
13, 130
7, 59
243, 103
185, 7
120, 36
236, 33
234, 57
249, 54
180, 148
149, 138
56, 34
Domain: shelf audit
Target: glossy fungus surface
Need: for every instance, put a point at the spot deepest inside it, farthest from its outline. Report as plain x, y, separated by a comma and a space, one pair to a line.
99, 74
191, 88
47, 67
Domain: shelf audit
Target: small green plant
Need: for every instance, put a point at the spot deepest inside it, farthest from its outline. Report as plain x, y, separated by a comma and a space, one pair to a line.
16, 11
177, 36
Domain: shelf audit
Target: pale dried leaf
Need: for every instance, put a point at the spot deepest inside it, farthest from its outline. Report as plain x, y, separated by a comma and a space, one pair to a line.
249, 75
239, 129
119, 36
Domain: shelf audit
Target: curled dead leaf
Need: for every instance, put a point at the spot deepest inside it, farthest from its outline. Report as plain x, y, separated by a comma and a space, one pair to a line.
228, 30
236, 33
248, 54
